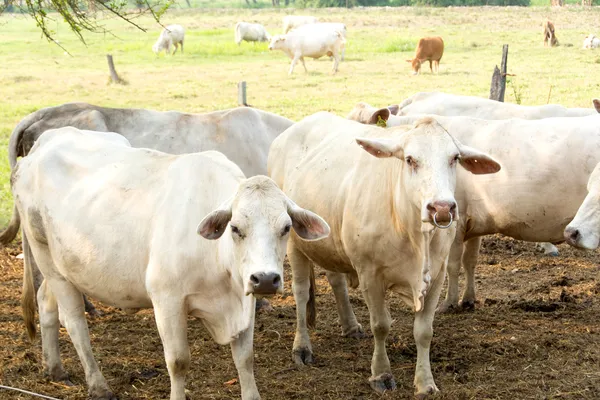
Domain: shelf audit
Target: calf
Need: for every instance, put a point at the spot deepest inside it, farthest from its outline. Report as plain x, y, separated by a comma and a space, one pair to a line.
250, 33
120, 224
171, 36
388, 220
428, 49
549, 35
310, 41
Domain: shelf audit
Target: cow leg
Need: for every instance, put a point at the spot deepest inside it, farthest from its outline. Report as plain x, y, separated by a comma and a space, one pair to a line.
181, 47
175, 51
423, 333
171, 320
49, 326
454, 261
304, 65
294, 61
381, 379
549, 249
350, 326
430, 68
336, 62
301, 269
469, 261
243, 357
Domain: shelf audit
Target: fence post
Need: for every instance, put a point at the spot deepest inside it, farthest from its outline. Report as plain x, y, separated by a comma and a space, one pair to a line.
242, 94
498, 86
113, 73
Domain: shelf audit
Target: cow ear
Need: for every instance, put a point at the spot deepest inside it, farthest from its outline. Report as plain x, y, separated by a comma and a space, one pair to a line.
308, 225
394, 109
214, 224
477, 162
381, 148
380, 117
596, 104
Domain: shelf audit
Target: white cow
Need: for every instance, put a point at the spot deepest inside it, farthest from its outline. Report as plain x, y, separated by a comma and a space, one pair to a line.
446, 104
591, 42
171, 36
383, 216
250, 33
294, 21
120, 224
310, 41
545, 168
584, 230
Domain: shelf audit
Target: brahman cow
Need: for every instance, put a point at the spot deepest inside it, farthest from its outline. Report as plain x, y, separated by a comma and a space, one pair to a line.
428, 49
171, 36
294, 21
533, 198
384, 217
120, 223
250, 33
584, 230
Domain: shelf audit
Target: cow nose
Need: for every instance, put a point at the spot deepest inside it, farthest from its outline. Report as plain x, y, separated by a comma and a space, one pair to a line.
265, 283
442, 212
572, 235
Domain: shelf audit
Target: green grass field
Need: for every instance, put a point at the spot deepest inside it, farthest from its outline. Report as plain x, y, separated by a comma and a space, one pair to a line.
36, 73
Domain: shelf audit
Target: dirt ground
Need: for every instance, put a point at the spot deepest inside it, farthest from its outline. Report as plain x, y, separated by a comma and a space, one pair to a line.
535, 334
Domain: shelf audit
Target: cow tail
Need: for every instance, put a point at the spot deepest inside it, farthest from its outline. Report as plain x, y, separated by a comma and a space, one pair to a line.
311, 309
28, 296
238, 38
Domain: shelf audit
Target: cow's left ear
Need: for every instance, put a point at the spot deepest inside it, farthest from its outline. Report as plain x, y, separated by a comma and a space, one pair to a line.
380, 117
477, 162
308, 225
214, 224
394, 109
596, 104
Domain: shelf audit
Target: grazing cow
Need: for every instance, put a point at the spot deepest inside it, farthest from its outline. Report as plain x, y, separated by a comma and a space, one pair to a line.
120, 223
250, 33
583, 231
294, 21
549, 35
171, 36
533, 198
428, 49
310, 41
591, 42
383, 216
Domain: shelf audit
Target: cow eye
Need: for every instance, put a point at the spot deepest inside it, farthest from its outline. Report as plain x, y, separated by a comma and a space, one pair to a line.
286, 230
410, 161
235, 230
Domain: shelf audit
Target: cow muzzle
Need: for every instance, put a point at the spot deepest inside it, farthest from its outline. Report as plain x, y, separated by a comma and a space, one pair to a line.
264, 283
572, 236
441, 213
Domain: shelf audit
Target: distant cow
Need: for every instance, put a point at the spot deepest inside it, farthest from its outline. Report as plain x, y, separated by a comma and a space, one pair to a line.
122, 225
428, 49
294, 21
591, 42
171, 36
549, 34
310, 41
250, 33
388, 195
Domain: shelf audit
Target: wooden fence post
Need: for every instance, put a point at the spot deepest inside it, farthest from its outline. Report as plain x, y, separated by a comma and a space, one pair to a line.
242, 94
114, 78
498, 86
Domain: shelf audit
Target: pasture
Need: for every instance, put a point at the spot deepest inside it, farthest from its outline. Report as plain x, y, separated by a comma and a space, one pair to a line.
535, 333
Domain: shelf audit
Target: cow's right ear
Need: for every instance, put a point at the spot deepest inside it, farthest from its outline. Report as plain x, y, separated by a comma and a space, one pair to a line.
596, 104
214, 224
381, 148
380, 117
394, 109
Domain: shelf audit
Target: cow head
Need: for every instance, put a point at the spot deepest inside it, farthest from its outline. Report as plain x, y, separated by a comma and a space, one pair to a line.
416, 65
584, 231
257, 222
429, 156
277, 42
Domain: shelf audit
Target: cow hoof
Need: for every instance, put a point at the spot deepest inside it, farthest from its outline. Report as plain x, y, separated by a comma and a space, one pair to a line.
467, 305
383, 383
429, 390
302, 356
552, 254
447, 308
101, 394
58, 375
263, 306
356, 332
93, 313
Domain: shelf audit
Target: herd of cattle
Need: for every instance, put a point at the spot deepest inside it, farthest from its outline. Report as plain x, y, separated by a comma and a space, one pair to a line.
389, 198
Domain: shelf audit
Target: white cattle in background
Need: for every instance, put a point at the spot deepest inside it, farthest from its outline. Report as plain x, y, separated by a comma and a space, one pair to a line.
171, 36
294, 21
386, 218
122, 225
250, 33
591, 42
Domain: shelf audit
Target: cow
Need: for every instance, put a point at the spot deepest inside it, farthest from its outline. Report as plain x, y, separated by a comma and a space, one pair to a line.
549, 34
591, 42
533, 198
120, 223
387, 220
583, 231
171, 36
294, 21
428, 49
250, 33
310, 41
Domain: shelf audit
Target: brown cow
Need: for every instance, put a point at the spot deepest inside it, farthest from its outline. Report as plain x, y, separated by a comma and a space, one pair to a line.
549, 34
428, 49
